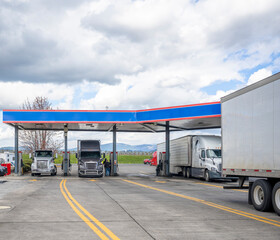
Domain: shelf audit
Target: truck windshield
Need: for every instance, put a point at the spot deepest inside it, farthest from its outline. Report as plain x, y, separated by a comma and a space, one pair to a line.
90, 154
213, 153
43, 154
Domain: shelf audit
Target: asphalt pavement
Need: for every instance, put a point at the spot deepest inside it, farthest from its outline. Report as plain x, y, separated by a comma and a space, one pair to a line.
134, 205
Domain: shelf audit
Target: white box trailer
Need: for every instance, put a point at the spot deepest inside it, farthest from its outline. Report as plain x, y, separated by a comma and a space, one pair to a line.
195, 155
7, 157
251, 140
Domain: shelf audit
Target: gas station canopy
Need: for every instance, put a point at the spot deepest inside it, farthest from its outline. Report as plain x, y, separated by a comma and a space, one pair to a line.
187, 117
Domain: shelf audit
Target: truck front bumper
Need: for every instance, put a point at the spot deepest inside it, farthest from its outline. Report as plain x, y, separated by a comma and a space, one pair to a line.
43, 171
91, 173
218, 175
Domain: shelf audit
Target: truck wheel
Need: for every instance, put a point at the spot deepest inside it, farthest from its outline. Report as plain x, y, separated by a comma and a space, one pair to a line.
189, 175
184, 172
276, 198
207, 176
261, 195
32, 174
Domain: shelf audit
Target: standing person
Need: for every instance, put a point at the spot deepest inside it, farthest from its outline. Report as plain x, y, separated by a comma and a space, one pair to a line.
107, 167
159, 168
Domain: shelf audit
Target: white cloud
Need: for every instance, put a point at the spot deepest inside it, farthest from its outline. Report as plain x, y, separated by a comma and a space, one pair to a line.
133, 54
259, 75
14, 94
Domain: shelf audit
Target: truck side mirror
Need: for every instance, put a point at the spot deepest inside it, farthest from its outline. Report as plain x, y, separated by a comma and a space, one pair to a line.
77, 155
55, 155
103, 155
30, 155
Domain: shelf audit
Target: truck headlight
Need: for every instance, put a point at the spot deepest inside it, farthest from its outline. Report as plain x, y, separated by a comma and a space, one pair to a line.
213, 169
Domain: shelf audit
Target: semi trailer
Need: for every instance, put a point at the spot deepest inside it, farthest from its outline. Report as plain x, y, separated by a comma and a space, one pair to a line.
251, 141
43, 163
194, 156
8, 157
89, 158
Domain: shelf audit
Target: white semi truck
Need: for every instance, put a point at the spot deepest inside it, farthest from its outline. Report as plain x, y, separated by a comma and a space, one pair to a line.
251, 141
43, 163
194, 156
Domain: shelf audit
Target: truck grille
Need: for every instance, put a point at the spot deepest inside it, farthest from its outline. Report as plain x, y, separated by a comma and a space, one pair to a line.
91, 165
42, 164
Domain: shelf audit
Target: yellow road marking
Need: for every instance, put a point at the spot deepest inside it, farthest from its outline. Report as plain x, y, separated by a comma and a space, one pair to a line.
161, 181
103, 227
33, 180
212, 185
96, 221
88, 222
92, 180
4, 207
227, 209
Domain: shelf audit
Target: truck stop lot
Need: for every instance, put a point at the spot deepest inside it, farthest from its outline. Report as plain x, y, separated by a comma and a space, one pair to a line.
134, 205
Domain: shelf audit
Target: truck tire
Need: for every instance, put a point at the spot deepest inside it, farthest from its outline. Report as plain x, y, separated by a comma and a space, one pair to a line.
184, 172
207, 176
187, 172
276, 198
261, 195
32, 174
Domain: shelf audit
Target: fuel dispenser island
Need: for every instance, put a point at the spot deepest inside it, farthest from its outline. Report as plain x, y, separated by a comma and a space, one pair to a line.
114, 164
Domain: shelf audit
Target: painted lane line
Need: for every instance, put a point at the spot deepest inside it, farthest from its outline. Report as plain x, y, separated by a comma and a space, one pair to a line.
4, 207
211, 204
87, 221
160, 181
212, 185
95, 220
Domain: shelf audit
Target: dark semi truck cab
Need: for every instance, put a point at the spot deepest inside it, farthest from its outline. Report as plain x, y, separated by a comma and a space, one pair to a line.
89, 158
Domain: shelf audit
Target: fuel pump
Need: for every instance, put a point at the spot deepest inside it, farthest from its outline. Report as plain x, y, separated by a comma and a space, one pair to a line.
114, 164
20, 163
66, 162
162, 163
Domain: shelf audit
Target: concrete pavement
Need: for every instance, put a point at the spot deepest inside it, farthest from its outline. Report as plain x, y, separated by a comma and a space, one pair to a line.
134, 205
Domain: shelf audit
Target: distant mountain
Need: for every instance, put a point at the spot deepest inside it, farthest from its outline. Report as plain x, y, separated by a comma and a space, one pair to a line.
108, 147
9, 149
126, 147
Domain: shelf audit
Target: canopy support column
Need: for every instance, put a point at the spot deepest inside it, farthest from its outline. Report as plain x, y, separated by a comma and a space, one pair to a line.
167, 149
65, 160
114, 159
16, 151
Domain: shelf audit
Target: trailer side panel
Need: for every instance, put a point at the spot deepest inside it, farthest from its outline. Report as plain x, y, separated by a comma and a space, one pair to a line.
251, 132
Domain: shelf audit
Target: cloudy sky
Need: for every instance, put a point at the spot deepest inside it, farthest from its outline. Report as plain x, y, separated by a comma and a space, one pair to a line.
132, 54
